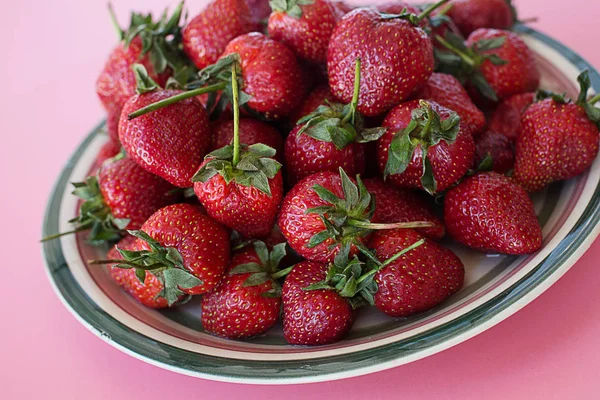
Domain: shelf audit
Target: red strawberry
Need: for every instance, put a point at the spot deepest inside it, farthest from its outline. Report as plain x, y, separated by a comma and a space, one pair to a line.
251, 132
169, 142
147, 292
419, 129
418, 280
108, 151
316, 98
448, 92
305, 26
247, 302
270, 73
499, 148
491, 213
113, 115
558, 139
207, 34
402, 205
506, 119
470, 15
313, 317
397, 57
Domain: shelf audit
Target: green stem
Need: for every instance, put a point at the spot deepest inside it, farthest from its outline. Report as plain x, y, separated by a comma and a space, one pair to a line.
445, 10
107, 262
401, 253
430, 9
61, 234
594, 99
355, 93
115, 22
398, 225
282, 273
236, 116
176, 99
424, 134
466, 58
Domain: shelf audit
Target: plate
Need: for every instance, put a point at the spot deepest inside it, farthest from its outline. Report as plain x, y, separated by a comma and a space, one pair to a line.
496, 286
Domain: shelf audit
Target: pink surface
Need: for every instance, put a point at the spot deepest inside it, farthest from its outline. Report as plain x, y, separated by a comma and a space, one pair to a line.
55, 50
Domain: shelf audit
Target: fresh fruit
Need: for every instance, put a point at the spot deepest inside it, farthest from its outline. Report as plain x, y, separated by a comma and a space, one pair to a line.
108, 151
251, 132
506, 119
499, 148
491, 213
403, 205
470, 15
418, 280
169, 142
558, 139
498, 64
248, 300
239, 185
425, 147
318, 97
305, 26
448, 92
207, 34
397, 57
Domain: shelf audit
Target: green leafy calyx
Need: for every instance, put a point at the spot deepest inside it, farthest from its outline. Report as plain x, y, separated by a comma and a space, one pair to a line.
415, 19
290, 7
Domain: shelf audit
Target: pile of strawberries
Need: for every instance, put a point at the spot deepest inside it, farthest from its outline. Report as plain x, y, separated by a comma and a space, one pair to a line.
311, 166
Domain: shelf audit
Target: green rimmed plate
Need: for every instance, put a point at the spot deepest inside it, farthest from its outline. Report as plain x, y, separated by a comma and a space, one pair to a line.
496, 286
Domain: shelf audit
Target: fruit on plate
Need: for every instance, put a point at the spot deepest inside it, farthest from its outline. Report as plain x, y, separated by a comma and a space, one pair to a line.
558, 139
492, 213
470, 15
506, 119
499, 148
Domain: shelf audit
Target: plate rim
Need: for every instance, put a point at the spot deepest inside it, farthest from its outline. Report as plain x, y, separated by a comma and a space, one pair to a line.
544, 275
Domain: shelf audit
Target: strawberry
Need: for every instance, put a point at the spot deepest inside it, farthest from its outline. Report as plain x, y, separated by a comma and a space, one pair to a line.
417, 280
251, 132
499, 148
207, 34
498, 64
397, 57
239, 185
146, 292
169, 142
558, 139
491, 213
109, 150
447, 91
402, 205
318, 97
248, 300
470, 15
442, 25
425, 147
506, 119
305, 26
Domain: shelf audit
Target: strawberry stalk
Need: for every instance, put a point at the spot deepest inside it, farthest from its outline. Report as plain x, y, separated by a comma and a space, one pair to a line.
413, 18
427, 12
236, 117
115, 22
350, 116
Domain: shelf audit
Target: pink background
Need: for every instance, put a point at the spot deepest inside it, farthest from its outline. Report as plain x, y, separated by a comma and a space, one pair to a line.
52, 52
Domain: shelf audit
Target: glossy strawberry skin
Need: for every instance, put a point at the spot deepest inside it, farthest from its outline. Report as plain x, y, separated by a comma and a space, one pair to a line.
470, 15
519, 75
499, 148
557, 142
447, 91
270, 72
316, 98
147, 292
235, 311
305, 156
133, 193
403, 205
170, 142
506, 119
242, 208
202, 242
417, 281
307, 36
251, 132
207, 34
298, 227
449, 162
397, 59
491, 213
313, 317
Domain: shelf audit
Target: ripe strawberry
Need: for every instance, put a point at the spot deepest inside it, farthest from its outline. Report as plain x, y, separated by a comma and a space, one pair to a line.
305, 26
207, 34
424, 147
506, 119
491, 213
169, 142
418, 280
397, 58
313, 317
470, 15
109, 150
318, 97
402, 205
558, 139
499, 148
251, 132
247, 302
448, 92
498, 64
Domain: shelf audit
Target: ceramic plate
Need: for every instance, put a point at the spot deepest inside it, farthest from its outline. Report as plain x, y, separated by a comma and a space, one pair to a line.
496, 286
